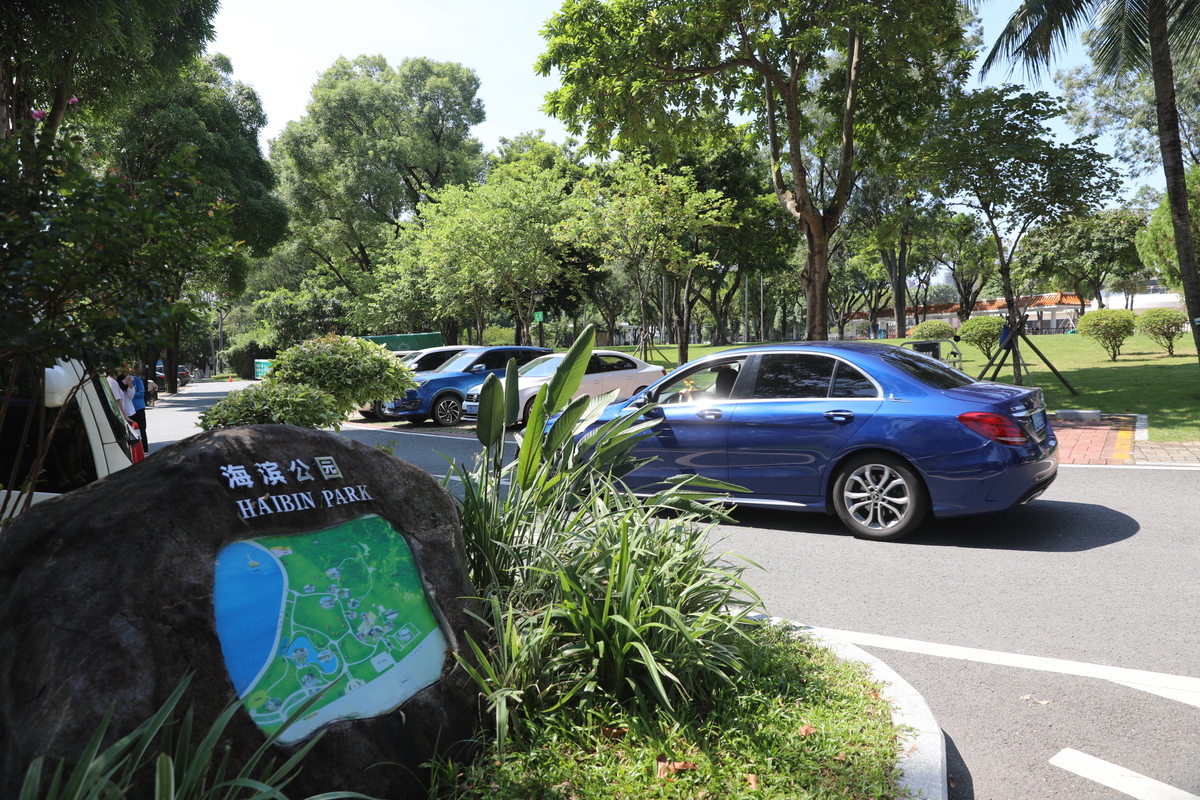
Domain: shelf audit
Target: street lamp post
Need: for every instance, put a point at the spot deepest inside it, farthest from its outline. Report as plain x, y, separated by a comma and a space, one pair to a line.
538, 297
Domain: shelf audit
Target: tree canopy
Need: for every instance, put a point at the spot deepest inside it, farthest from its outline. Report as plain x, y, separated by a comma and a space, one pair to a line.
823, 84
375, 144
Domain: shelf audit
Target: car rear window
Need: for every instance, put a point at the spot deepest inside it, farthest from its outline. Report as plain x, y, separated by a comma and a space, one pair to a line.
927, 370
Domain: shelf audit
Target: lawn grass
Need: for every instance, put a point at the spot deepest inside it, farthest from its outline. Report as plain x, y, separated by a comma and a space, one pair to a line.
799, 723
1143, 379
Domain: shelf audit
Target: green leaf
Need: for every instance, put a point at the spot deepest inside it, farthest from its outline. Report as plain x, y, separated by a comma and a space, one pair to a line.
570, 372
489, 426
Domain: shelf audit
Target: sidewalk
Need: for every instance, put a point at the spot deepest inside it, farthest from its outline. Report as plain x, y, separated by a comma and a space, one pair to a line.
1119, 440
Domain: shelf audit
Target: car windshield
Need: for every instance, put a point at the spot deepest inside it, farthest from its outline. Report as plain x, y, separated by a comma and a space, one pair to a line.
459, 363
541, 367
927, 370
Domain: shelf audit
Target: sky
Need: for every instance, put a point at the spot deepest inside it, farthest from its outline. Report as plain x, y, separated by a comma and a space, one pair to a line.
281, 53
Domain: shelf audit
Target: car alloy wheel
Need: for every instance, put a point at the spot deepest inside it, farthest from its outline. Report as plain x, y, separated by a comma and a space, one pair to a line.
878, 496
384, 412
447, 410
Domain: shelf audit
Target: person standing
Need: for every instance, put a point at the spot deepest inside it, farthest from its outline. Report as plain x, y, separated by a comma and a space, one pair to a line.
139, 408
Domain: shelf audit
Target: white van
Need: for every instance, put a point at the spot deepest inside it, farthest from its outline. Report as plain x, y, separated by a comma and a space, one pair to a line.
91, 440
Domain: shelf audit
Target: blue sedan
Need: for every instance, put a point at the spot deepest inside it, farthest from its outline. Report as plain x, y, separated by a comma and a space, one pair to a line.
880, 435
439, 393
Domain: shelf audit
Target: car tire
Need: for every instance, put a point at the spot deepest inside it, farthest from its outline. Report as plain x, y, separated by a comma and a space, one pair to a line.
528, 410
447, 410
879, 496
383, 413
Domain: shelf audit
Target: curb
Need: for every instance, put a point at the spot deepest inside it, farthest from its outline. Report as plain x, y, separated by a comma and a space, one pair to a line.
923, 760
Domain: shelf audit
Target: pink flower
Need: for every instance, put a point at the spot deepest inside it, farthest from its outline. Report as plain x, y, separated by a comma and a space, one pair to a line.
73, 101
38, 114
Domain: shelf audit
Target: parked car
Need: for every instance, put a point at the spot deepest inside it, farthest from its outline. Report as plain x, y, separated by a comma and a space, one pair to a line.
160, 377
607, 370
439, 393
417, 361
877, 434
91, 437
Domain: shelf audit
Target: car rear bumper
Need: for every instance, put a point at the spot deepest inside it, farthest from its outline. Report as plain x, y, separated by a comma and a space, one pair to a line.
984, 482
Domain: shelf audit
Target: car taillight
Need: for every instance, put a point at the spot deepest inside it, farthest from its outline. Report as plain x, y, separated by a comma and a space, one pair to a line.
996, 427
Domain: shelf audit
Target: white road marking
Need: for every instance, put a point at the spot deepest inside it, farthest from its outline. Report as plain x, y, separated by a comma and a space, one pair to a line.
1141, 466
1174, 687
1125, 781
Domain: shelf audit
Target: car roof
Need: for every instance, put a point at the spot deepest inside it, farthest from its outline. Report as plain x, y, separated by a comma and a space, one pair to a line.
875, 348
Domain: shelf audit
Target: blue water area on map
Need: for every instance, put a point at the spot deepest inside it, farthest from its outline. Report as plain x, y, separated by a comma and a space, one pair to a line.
328, 665
247, 596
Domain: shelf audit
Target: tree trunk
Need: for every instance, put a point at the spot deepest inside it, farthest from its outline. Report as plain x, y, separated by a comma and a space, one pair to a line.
1163, 74
815, 280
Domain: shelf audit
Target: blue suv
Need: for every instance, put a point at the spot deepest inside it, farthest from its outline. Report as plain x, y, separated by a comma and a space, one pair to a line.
439, 393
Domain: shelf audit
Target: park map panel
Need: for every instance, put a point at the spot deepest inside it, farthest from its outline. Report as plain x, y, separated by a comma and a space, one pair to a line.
339, 613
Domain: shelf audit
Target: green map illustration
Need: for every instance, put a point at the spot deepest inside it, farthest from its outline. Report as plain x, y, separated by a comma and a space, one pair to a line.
339, 612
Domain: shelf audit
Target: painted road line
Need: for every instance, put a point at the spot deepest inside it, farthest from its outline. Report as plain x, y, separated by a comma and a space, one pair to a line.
1125, 781
1180, 688
1123, 446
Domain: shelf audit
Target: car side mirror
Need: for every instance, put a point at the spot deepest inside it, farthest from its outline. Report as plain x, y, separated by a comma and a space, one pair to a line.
477, 368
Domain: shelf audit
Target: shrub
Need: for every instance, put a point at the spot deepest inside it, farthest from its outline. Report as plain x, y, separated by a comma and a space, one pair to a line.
932, 329
240, 356
1163, 326
497, 335
351, 370
273, 402
1110, 327
982, 333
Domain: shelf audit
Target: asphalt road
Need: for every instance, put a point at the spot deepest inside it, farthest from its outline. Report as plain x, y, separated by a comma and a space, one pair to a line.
1058, 644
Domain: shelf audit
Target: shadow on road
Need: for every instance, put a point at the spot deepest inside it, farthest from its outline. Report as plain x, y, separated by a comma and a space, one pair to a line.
961, 786
1048, 526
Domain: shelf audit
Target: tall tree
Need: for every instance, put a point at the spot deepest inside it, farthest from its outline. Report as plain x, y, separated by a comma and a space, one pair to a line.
1087, 252
1122, 107
52, 51
841, 77
1143, 35
641, 220
964, 249
375, 143
995, 155
1156, 244
205, 110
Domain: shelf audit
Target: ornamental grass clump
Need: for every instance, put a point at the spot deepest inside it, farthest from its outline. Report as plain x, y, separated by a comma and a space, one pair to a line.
593, 595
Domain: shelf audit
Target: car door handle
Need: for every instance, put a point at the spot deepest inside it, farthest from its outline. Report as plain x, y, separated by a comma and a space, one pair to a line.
839, 416
710, 414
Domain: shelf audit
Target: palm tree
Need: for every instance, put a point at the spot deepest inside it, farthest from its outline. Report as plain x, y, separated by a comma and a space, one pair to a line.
1130, 34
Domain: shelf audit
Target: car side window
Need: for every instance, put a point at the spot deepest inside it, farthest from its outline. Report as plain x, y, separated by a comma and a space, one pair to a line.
523, 357
793, 376
613, 363
497, 359
704, 385
848, 381
593, 366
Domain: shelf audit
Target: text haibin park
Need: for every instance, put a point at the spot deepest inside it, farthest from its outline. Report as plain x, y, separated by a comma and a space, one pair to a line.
339, 613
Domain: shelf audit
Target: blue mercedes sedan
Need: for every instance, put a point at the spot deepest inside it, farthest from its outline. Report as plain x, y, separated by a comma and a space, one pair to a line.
439, 393
877, 434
